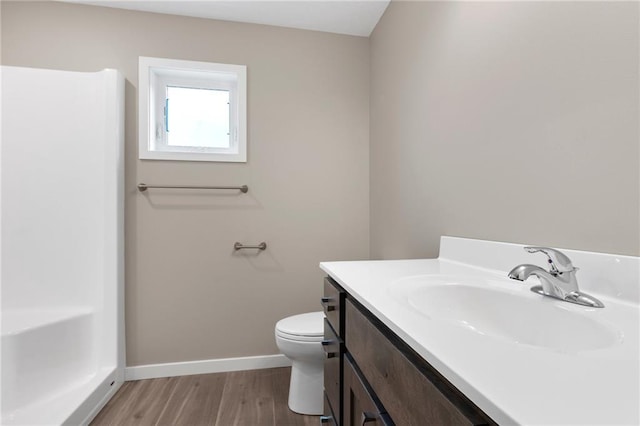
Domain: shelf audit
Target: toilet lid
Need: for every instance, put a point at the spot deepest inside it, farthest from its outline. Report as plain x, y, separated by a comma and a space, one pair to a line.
309, 325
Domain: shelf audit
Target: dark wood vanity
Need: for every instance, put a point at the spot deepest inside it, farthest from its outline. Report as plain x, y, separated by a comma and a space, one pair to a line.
373, 377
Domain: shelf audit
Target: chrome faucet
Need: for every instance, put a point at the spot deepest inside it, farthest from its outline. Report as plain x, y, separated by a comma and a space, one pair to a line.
559, 282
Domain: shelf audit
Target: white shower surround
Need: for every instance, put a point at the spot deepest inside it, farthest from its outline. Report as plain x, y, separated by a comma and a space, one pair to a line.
62, 244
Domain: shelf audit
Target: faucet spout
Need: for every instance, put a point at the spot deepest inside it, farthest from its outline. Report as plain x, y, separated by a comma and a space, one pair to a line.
559, 285
524, 271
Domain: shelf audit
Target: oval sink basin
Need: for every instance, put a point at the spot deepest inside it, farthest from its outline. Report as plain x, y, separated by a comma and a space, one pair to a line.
514, 316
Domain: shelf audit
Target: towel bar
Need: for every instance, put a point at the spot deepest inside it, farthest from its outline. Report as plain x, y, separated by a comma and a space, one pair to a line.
240, 246
143, 187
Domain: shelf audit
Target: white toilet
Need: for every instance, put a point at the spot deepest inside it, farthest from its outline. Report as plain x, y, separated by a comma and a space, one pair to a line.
299, 338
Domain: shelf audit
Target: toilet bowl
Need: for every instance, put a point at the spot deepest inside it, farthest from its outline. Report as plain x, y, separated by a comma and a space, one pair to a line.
299, 338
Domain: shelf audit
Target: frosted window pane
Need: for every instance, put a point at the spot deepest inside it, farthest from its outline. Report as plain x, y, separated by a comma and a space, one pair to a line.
198, 117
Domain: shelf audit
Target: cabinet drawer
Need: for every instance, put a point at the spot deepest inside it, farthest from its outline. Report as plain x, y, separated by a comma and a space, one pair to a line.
411, 391
333, 304
327, 417
332, 346
360, 407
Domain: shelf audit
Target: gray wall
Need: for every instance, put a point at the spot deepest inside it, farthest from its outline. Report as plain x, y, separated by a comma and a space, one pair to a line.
188, 296
508, 121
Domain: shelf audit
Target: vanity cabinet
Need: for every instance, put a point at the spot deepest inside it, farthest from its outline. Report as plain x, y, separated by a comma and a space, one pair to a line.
382, 381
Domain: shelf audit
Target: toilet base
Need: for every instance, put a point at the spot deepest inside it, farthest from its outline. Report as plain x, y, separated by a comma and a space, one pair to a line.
306, 388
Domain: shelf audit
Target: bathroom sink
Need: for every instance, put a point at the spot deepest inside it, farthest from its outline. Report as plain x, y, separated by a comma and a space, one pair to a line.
510, 313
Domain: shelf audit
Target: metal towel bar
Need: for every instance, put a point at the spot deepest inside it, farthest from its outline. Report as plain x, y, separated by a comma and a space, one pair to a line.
240, 246
143, 187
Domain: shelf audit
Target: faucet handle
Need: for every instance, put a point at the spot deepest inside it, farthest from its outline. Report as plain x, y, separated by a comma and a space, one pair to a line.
559, 261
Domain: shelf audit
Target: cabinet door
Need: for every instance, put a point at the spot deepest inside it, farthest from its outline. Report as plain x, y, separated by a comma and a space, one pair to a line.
360, 407
411, 391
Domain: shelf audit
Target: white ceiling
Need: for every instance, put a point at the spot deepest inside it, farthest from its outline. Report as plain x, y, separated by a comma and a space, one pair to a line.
353, 17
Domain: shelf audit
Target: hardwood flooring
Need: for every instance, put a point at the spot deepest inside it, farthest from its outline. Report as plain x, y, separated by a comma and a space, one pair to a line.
241, 398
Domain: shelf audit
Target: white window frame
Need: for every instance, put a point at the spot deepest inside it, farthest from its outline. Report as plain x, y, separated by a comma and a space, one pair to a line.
155, 74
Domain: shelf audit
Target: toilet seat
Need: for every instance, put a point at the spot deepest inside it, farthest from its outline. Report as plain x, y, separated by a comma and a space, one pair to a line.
298, 338
307, 327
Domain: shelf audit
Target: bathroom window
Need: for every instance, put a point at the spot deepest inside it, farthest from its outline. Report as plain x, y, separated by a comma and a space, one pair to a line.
192, 111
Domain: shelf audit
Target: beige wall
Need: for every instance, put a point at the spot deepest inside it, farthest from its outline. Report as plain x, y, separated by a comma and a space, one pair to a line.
504, 121
188, 296
508, 121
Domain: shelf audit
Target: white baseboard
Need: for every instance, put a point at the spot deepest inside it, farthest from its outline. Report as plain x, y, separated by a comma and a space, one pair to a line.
153, 371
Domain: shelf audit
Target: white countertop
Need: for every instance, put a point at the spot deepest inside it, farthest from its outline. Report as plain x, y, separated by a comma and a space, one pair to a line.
515, 383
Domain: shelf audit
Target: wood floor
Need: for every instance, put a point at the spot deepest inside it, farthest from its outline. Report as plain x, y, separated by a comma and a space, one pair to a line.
242, 398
